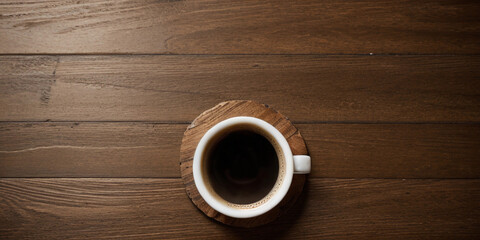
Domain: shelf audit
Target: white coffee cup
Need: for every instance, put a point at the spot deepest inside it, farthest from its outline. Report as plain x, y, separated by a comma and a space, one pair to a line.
288, 164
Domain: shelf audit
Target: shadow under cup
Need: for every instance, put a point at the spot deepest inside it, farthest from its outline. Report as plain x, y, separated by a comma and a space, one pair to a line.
243, 166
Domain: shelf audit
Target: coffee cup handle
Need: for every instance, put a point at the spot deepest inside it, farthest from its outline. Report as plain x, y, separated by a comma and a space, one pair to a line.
301, 164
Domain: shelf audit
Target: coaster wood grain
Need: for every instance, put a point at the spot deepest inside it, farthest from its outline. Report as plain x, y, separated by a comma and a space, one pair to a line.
221, 112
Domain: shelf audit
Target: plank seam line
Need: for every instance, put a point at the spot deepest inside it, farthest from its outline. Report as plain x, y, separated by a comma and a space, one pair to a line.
239, 54
294, 122
179, 178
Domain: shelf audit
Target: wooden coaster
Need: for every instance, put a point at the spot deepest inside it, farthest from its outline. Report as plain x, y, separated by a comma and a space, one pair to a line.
221, 112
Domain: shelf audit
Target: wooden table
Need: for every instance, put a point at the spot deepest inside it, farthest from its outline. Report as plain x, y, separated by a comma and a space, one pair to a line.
95, 96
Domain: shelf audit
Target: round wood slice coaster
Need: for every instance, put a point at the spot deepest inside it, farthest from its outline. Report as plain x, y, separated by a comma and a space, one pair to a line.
221, 112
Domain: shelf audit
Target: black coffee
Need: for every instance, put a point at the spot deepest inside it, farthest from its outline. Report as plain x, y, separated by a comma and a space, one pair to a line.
242, 167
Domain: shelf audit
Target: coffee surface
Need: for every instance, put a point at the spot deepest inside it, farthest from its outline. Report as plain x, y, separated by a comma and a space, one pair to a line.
242, 167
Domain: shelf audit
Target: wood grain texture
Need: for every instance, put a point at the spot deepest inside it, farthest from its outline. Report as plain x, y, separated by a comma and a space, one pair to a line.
240, 108
178, 88
89, 149
159, 208
379, 89
64, 149
226, 27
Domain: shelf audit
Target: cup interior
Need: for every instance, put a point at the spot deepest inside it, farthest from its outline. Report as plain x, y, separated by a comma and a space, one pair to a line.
242, 165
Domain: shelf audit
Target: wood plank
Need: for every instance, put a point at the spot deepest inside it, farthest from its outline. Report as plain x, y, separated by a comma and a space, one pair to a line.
393, 150
159, 208
179, 88
89, 149
152, 150
227, 27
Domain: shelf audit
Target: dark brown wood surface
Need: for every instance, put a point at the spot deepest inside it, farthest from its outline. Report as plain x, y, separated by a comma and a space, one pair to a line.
125, 149
179, 88
226, 27
95, 96
82, 208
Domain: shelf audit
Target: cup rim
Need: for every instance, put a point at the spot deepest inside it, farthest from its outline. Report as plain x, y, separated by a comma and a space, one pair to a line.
236, 212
